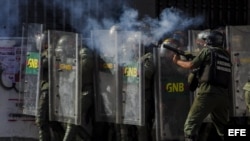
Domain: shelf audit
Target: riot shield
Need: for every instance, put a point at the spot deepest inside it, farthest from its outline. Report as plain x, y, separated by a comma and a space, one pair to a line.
64, 77
106, 75
131, 78
31, 72
172, 96
238, 44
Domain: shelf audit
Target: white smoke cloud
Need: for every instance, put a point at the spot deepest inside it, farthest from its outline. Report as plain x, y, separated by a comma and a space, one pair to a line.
95, 15
88, 15
91, 15
170, 20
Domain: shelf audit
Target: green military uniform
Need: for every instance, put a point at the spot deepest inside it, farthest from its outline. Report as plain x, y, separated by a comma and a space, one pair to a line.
87, 97
246, 89
42, 118
210, 99
144, 133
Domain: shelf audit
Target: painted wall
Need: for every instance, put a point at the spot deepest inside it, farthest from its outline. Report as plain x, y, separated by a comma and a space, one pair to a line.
13, 122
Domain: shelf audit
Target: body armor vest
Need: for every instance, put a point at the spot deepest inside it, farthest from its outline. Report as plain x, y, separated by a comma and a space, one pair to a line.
218, 71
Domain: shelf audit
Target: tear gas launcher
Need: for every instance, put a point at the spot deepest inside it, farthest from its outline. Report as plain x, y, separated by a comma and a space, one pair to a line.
187, 55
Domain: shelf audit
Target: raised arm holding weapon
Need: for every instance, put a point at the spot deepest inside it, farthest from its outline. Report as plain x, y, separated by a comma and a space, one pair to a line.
173, 45
187, 55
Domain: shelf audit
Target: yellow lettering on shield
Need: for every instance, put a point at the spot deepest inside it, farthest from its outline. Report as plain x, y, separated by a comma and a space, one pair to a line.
65, 67
108, 65
130, 71
33, 63
174, 87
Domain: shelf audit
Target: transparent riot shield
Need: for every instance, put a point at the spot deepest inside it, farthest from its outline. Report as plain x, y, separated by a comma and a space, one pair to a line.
32, 39
64, 77
104, 43
238, 45
131, 78
172, 96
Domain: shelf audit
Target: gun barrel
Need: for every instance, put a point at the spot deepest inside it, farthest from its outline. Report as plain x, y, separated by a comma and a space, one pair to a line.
177, 51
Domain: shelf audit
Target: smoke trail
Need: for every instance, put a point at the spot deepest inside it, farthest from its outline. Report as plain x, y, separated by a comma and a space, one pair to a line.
96, 15
89, 15
171, 20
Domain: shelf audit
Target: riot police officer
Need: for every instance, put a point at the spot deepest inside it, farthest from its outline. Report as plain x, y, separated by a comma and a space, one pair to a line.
246, 89
87, 98
213, 88
136, 132
146, 132
42, 118
45, 126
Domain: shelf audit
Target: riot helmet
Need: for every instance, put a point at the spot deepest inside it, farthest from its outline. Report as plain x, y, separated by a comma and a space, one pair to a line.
203, 35
64, 40
171, 42
215, 39
201, 38
114, 29
63, 43
39, 40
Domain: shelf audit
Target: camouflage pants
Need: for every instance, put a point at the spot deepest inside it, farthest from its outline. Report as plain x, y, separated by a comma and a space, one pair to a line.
204, 104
